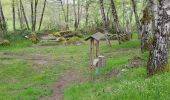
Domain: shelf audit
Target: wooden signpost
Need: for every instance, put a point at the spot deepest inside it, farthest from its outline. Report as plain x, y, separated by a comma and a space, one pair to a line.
95, 58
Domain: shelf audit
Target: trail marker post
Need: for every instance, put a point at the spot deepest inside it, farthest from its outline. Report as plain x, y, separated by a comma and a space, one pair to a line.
95, 58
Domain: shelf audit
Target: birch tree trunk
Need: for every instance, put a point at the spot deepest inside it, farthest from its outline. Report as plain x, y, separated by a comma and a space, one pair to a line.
127, 21
136, 17
116, 21
103, 16
146, 29
158, 59
105, 26
2, 19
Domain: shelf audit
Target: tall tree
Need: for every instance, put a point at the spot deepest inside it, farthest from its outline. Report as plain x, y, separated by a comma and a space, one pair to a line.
32, 14
105, 27
24, 15
158, 59
116, 21
2, 19
42, 15
35, 14
13, 12
20, 15
136, 17
75, 15
88, 2
67, 16
146, 29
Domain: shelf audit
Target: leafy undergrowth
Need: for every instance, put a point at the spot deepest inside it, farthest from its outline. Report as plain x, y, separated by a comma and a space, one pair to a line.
130, 84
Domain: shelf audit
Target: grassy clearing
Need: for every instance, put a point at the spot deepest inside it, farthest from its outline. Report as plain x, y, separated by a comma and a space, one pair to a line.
26, 80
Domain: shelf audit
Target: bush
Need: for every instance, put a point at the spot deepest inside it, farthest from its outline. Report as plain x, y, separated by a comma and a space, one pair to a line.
73, 40
5, 43
34, 38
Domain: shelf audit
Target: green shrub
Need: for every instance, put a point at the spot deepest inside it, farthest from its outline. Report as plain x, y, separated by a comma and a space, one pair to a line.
5, 43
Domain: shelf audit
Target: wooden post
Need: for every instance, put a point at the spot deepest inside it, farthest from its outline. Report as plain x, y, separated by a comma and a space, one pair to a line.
97, 55
91, 59
97, 49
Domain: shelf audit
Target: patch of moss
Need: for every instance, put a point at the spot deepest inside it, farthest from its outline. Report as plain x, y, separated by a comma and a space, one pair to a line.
5, 43
73, 40
34, 38
56, 34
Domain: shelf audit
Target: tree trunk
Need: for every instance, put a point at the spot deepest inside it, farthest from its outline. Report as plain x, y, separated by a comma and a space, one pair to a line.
13, 12
42, 15
146, 28
136, 17
20, 16
127, 24
103, 16
124, 11
116, 21
32, 14
105, 26
3, 20
75, 15
78, 13
25, 17
87, 13
67, 16
35, 15
158, 59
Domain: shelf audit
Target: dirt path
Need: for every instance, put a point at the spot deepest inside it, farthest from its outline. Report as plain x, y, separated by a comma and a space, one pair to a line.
68, 78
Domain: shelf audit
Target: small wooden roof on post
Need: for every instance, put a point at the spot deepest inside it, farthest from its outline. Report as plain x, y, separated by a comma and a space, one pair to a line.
94, 44
97, 36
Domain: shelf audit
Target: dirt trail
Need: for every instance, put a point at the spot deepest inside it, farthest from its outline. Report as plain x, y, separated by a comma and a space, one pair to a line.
68, 78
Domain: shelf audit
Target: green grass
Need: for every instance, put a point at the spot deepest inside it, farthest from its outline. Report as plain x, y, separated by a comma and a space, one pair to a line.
133, 84
25, 80
15, 45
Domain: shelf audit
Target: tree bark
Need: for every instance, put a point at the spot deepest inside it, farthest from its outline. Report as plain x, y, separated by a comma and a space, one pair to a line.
42, 15
105, 27
116, 21
25, 17
67, 16
32, 14
147, 27
13, 12
20, 16
3, 20
75, 16
136, 17
35, 15
158, 59
87, 13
